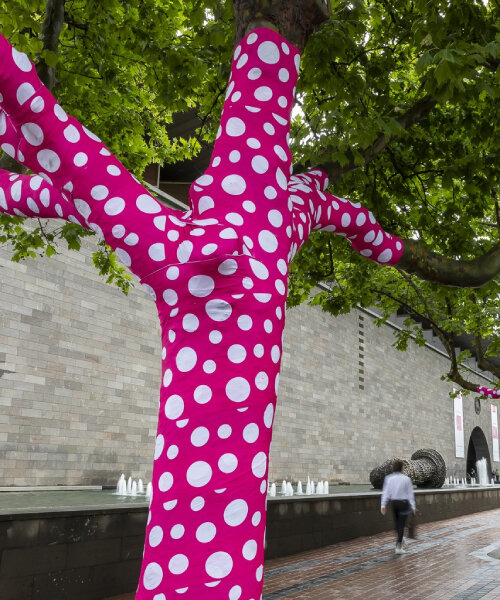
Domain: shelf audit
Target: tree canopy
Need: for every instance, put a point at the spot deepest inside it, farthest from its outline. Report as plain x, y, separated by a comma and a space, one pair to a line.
397, 101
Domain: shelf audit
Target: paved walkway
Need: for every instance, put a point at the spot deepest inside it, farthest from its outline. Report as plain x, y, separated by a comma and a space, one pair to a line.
450, 560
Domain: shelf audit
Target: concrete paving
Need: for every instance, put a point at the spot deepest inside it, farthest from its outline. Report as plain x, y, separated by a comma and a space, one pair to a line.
456, 559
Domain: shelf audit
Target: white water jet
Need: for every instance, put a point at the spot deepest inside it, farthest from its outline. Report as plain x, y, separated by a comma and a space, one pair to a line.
149, 490
326, 489
272, 490
283, 487
140, 487
319, 488
313, 487
308, 487
299, 488
122, 487
129, 485
482, 471
133, 490
289, 489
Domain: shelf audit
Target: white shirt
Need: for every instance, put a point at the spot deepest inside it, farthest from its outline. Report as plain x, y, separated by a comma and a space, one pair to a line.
398, 487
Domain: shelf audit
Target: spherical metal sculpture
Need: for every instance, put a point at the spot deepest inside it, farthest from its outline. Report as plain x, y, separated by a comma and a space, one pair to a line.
426, 469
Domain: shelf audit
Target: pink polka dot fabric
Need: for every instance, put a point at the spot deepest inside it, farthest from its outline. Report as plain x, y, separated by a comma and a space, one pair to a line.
218, 275
489, 393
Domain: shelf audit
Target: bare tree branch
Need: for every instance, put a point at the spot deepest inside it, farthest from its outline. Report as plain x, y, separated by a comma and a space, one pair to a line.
51, 30
427, 265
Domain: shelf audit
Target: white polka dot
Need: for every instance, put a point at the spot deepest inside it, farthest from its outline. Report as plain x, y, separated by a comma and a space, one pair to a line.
21, 60
245, 322
172, 451
224, 431
234, 219
379, 239
153, 576
199, 473
72, 134
237, 52
242, 61
132, 239
157, 252
296, 60
215, 337
275, 354
259, 269
165, 482
178, 564
218, 310
249, 206
80, 159
197, 503
346, 220
99, 192
254, 73
186, 359
235, 512
235, 127
114, 206
200, 436
201, 286
250, 550
167, 378
24, 92
258, 350
282, 101
269, 129
206, 532
235, 593
172, 273
160, 442
261, 380
190, 322
204, 180
33, 133
238, 389
268, 52
260, 164
170, 297
147, 204
234, 185
184, 251
268, 241
385, 256
283, 75
251, 39
268, 415
360, 219
270, 192
228, 463
263, 93
251, 433
177, 531
202, 394
123, 256
174, 407
170, 505
259, 464
49, 160
155, 536
209, 366
9, 149
236, 353
275, 218
253, 143
219, 565
281, 179
228, 267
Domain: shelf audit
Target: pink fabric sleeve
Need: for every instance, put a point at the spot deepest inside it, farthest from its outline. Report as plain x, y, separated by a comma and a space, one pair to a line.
489, 393
315, 209
32, 196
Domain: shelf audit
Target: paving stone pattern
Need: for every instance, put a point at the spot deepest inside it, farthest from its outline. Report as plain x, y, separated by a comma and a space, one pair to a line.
449, 561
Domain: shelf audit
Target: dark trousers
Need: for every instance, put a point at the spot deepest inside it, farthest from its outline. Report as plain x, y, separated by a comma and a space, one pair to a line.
401, 510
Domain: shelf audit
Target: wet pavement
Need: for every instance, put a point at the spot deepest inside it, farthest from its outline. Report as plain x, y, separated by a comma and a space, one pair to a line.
456, 559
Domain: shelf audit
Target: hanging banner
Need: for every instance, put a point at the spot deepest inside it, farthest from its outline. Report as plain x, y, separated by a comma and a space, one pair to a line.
459, 426
494, 431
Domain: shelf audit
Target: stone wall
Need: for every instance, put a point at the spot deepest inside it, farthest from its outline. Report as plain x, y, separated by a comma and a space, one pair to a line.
80, 372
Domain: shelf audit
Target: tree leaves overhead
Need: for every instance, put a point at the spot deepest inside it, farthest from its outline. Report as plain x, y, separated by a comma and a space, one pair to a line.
398, 99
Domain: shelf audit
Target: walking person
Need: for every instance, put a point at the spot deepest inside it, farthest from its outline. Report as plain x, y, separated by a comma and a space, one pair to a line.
398, 488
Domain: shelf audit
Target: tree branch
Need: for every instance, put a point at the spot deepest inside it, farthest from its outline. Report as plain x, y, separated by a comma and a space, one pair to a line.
483, 363
419, 111
458, 273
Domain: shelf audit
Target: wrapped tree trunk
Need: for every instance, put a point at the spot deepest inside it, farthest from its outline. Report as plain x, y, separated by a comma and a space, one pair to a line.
218, 275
